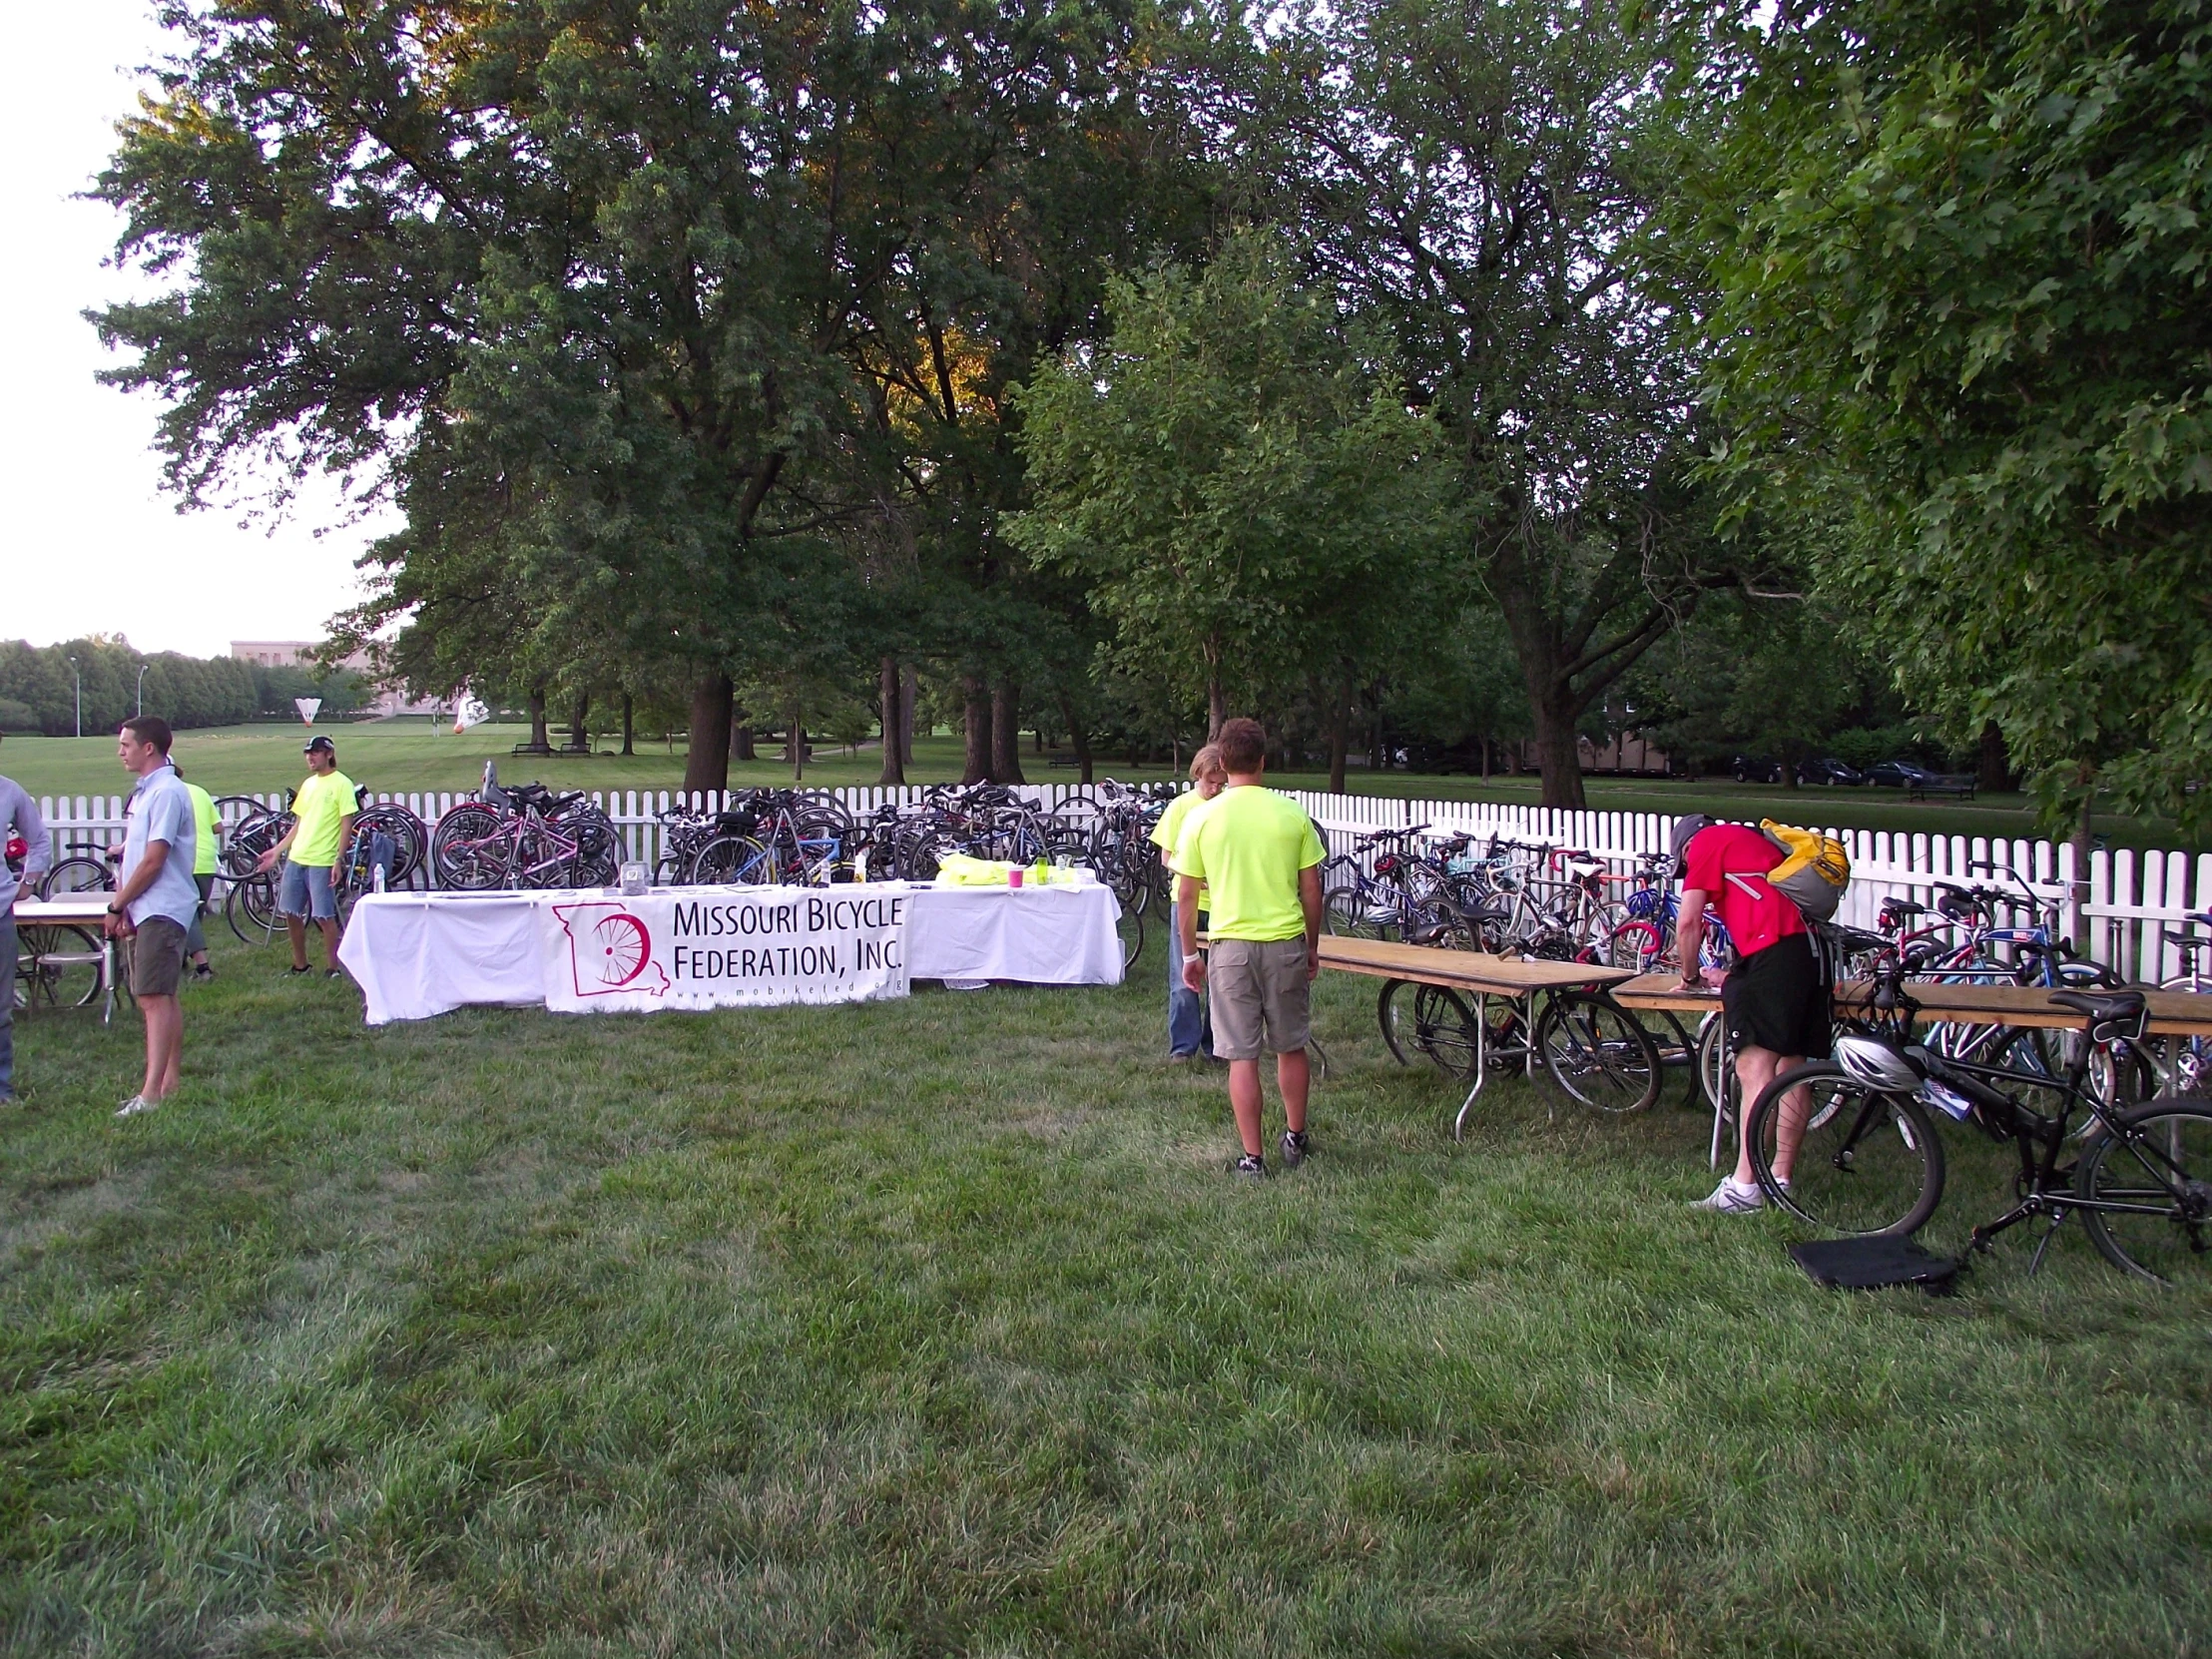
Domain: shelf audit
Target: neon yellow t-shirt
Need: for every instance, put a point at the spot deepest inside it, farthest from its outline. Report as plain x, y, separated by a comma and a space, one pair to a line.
1169, 831
203, 819
321, 804
1249, 846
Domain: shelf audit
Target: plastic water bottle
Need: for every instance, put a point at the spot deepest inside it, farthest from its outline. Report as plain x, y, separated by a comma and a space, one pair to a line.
376, 876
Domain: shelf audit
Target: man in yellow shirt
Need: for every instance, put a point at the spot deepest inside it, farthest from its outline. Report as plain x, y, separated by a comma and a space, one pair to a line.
204, 860
322, 831
1261, 856
1189, 1031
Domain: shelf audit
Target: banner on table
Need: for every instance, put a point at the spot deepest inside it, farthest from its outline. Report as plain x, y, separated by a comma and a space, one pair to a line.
711, 948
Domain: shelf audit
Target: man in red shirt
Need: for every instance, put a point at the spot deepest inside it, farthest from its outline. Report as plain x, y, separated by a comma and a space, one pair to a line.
1776, 999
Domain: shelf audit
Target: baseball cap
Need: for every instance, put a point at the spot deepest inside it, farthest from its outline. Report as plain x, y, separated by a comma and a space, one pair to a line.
1686, 826
321, 743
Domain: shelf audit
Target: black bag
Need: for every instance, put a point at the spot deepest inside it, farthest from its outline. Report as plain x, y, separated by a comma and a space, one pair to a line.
1875, 1264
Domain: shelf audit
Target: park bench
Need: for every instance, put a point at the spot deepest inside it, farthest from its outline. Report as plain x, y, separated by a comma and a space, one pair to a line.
1955, 788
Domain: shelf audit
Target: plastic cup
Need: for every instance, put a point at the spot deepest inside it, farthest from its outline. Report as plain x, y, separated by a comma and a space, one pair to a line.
1013, 879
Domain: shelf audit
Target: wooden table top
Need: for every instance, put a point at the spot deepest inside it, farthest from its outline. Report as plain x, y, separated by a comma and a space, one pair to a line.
1432, 965
2172, 1013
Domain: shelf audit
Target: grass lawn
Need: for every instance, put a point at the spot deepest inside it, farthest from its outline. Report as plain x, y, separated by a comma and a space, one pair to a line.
937, 1328
413, 755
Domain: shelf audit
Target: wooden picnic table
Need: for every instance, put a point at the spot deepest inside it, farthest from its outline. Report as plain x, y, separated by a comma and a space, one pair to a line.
2172, 1013
74, 910
1512, 977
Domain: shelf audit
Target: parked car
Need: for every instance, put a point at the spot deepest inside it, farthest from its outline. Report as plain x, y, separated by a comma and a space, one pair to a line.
1899, 775
1755, 769
1829, 770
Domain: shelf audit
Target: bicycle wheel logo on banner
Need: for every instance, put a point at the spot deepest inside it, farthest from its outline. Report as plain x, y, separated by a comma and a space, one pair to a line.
610, 951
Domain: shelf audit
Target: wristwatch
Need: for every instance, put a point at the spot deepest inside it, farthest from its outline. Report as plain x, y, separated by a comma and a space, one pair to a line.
115, 910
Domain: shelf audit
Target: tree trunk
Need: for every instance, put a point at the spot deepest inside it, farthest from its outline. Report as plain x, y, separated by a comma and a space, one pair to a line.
895, 722
1993, 773
2084, 841
1078, 736
706, 759
1005, 733
1340, 736
1217, 705
578, 738
541, 740
1558, 752
795, 743
976, 698
1486, 757
909, 694
629, 723
741, 740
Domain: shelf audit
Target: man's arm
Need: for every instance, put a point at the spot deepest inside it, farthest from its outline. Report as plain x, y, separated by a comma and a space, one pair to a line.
1689, 936
38, 857
1185, 932
346, 835
1308, 898
149, 868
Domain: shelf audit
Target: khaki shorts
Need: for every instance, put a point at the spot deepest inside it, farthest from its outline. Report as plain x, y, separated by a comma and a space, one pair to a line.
157, 958
1261, 997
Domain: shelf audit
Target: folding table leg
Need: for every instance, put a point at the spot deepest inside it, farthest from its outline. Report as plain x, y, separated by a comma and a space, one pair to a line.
1726, 1059
1481, 1063
106, 978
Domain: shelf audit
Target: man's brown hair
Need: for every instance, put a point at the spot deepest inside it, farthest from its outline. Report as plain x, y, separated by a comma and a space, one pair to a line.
150, 728
1244, 746
1206, 763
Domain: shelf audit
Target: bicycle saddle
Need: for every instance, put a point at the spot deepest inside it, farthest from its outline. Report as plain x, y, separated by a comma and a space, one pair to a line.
1903, 908
2112, 1014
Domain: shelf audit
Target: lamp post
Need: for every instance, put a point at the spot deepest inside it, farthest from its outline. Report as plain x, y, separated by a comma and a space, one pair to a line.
79, 674
142, 689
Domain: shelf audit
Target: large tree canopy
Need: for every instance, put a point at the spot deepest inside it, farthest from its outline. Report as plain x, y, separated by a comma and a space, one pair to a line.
1964, 337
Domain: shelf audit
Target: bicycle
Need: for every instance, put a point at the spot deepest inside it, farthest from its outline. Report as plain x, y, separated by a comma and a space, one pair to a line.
1871, 1160
523, 837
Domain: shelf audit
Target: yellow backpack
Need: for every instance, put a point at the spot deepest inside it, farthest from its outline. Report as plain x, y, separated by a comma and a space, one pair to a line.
1815, 874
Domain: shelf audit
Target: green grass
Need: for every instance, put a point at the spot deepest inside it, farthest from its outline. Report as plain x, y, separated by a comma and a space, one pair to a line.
411, 755
937, 1328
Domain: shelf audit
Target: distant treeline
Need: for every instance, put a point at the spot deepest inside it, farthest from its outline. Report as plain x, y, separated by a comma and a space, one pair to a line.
39, 687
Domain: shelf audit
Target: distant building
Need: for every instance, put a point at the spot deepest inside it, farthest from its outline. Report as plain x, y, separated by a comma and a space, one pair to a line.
300, 653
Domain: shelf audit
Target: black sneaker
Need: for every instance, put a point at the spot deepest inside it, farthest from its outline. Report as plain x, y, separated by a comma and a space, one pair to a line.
202, 972
333, 973
295, 972
1250, 1166
1295, 1148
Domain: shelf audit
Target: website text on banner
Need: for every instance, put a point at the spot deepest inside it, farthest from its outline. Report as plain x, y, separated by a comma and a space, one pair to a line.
732, 947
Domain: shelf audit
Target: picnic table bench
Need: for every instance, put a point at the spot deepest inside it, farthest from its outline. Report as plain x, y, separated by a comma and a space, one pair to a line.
1956, 788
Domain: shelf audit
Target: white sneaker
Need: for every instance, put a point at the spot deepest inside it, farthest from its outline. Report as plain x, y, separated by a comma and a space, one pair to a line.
1728, 1199
136, 1104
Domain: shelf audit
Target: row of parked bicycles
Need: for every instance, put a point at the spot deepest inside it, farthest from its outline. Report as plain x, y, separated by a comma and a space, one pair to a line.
2094, 1120
513, 836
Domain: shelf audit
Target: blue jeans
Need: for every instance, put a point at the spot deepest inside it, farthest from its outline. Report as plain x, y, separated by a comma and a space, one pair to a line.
1189, 1029
7, 998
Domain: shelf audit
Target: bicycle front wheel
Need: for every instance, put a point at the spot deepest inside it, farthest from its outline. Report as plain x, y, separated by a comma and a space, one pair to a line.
2145, 1187
1597, 1051
1859, 1161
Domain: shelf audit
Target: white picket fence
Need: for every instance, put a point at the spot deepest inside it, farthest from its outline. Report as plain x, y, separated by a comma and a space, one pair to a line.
2130, 896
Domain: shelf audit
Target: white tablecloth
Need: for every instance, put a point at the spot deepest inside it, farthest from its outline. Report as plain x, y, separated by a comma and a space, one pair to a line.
1039, 935
418, 954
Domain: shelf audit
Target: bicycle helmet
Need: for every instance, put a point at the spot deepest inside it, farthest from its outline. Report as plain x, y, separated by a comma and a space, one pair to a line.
1878, 1065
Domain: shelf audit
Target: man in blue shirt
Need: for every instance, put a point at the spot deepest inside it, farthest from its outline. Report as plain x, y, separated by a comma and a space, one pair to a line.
155, 901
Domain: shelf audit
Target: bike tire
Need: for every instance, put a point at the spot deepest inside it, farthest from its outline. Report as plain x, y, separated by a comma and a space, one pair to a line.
253, 898
2160, 1158
75, 875
1132, 930
732, 860
57, 965
468, 853
1634, 945
1869, 1162
1599, 1052
1433, 1023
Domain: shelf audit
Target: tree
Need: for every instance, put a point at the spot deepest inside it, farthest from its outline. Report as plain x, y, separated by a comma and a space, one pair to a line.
1225, 472
1963, 257
1479, 179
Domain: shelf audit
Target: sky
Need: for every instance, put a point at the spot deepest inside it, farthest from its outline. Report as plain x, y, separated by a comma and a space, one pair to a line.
91, 543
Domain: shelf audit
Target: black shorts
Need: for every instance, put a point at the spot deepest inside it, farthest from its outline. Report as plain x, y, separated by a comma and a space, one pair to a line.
1777, 1000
